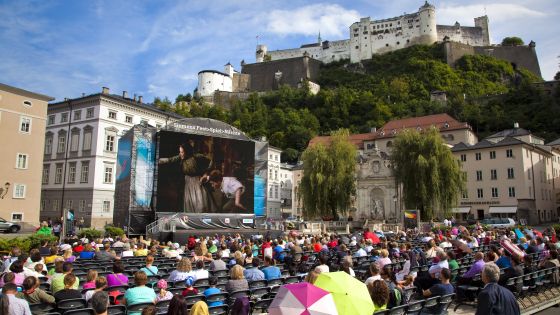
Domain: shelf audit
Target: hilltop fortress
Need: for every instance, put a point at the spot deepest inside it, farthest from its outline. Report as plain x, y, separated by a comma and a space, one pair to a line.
297, 67
369, 37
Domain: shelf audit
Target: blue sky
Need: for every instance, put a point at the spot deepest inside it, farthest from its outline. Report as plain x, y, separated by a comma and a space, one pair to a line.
156, 48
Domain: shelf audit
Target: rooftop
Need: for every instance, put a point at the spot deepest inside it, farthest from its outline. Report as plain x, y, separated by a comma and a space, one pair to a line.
27, 93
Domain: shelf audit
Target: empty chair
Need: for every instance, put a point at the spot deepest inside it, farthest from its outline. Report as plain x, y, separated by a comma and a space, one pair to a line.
116, 310
258, 293
201, 282
71, 304
257, 284
41, 308
261, 305
163, 306
399, 310
191, 299
291, 279
218, 310
83, 311
415, 307
138, 307
445, 301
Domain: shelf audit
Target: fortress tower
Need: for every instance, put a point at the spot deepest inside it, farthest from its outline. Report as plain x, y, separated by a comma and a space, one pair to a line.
482, 22
261, 52
428, 29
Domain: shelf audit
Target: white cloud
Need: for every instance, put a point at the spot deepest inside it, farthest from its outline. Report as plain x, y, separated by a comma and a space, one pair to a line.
331, 20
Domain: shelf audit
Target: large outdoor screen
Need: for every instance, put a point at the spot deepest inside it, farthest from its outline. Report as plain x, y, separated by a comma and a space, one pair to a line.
204, 174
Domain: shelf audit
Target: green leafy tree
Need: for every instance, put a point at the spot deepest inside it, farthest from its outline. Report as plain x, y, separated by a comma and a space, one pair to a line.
163, 104
512, 41
431, 177
328, 182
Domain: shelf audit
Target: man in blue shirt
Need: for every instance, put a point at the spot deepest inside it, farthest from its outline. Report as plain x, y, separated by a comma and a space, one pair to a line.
439, 289
270, 271
278, 251
254, 274
213, 281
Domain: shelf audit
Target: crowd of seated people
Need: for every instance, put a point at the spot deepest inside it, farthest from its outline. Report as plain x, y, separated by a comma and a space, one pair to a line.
230, 272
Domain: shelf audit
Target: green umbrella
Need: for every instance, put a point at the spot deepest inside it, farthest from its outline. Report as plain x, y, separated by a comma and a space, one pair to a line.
351, 296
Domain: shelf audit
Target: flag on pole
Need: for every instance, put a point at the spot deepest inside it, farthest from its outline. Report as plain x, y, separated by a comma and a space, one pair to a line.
410, 215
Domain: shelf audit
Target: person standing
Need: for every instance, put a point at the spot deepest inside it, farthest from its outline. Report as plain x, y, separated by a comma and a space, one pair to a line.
195, 196
495, 299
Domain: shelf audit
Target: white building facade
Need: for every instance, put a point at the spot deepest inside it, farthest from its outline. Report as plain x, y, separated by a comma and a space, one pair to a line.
80, 152
509, 174
273, 198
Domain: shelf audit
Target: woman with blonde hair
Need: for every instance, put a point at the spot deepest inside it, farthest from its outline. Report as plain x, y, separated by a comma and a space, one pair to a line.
384, 259
311, 277
237, 281
68, 257
199, 308
200, 251
182, 272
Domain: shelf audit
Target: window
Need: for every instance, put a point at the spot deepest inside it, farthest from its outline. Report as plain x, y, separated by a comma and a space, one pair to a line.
17, 217
275, 174
480, 193
510, 173
112, 115
61, 148
51, 120
463, 157
143, 122
509, 153
478, 156
43, 205
493, 174
270, 191
276, 191
479, 175
25, 124
72, 172
494, 192
55, 207
492, 155
21, 160
110, 143
86, 146
82, 206
84, 174
69, 204
106, 206
77, 114
48, 144
46, 170
89, 112
27, 103
128, 119
64, 117
58, 174
465, 194
108, 178
75, 140
511, 191
19, 191
530, 192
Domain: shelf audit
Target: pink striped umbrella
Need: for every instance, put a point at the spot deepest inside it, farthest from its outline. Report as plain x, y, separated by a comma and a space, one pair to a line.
302, 299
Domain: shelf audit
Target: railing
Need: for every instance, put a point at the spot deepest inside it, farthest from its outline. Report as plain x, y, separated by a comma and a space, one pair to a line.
163, 224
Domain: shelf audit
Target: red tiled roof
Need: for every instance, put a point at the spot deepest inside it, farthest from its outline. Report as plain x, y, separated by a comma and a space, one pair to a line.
441, 121
390, 129
356, 139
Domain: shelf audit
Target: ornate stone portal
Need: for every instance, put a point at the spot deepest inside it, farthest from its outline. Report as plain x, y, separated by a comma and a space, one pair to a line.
376, 197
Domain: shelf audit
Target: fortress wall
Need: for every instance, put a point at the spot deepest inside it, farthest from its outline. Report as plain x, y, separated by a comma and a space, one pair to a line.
520, 56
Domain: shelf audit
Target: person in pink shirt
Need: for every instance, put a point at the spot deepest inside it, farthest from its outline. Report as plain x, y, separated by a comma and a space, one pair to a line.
91, 277
117, 277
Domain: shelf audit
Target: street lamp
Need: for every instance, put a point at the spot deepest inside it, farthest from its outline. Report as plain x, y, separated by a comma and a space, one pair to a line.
397, 212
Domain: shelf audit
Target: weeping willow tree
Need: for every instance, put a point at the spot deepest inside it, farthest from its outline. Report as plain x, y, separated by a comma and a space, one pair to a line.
430, 176
328, 182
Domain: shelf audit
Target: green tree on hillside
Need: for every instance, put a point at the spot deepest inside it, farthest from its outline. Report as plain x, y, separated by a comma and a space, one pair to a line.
328, 181
512, 41
431, 177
